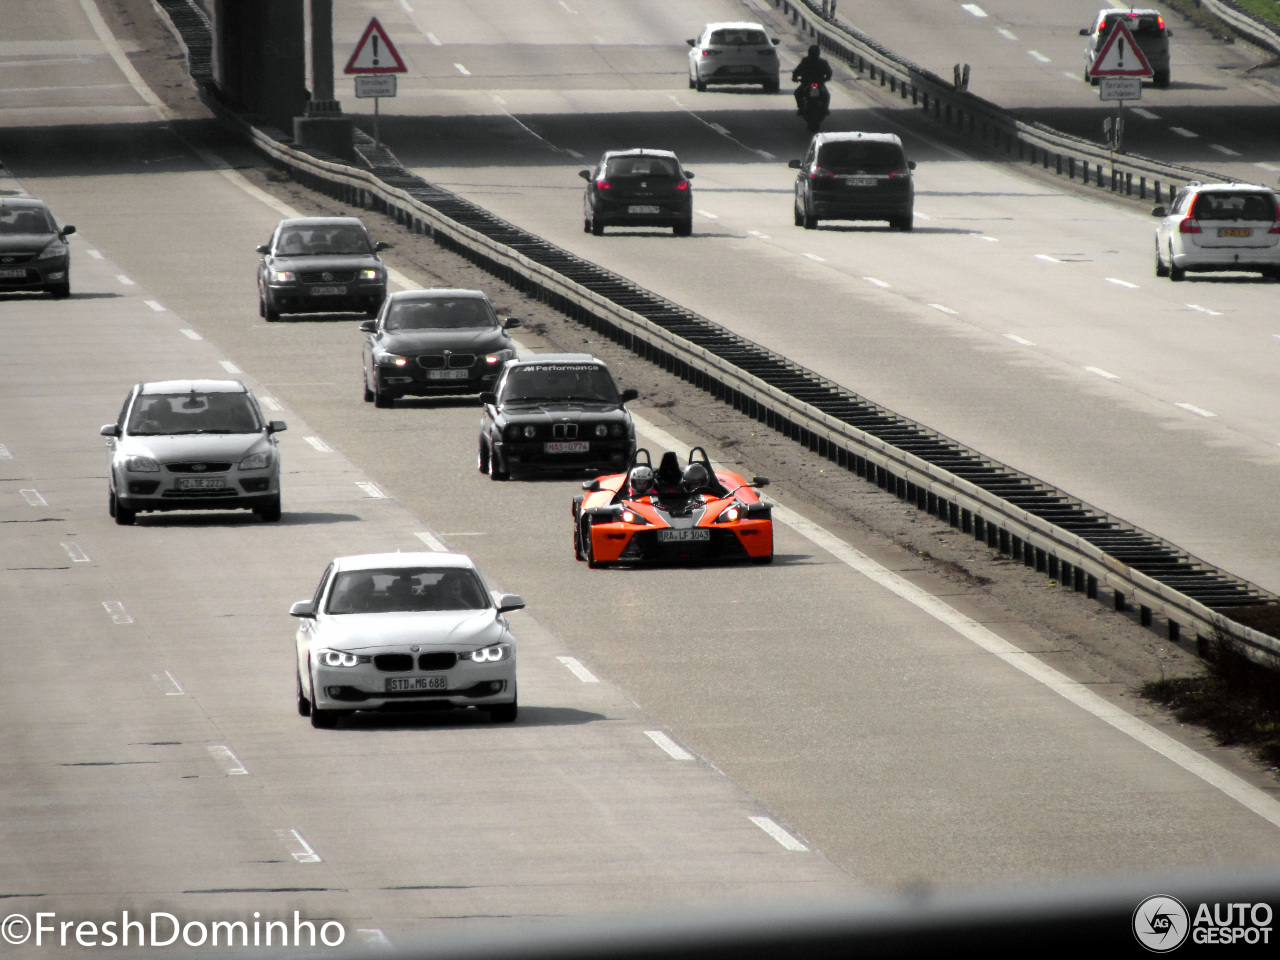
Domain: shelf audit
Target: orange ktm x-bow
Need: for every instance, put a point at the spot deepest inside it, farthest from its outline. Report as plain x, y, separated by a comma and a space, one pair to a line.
672, 514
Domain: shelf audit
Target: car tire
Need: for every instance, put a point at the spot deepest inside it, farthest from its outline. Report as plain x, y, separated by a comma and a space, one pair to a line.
700, 86
904, 223
586, 224
771, 86
1176, 273
1161, 269
495, 473
270, 512
693, 84
381, 398
684, 228
323, 719
60, 291
762, 560
304, 704
124, 516
799, 217
808, 220
597, 228
269, 312
1161, 79
504, 712
368, 394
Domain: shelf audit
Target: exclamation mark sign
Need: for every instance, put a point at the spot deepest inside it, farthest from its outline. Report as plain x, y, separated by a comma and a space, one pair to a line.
375, 50
374, 38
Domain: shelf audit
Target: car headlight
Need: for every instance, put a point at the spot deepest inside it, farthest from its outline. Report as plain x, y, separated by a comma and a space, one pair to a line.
730, 514
391, 360
283, 276
513, 431
499, 651
630, 516
256, 461
141, 465
530, 431
499, 356
340, 658
370, 275
602, 430
615, 429
55, 249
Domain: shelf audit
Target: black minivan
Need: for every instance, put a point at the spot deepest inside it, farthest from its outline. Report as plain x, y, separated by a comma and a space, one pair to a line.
854, 176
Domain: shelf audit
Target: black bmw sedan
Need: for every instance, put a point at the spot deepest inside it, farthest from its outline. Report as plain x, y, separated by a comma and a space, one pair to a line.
320, 265
437, 341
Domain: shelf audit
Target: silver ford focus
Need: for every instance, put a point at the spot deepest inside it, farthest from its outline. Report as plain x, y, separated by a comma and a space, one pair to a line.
192, 445
404, 631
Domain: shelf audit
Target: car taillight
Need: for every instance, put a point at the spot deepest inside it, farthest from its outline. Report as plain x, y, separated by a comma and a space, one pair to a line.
1159, 23
1188, 226
682, 184
817, 173
1275, 227
895, 174
602, 184
710, 53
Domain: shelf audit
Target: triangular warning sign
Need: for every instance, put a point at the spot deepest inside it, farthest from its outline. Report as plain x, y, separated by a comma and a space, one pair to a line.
375, 53
1120, 56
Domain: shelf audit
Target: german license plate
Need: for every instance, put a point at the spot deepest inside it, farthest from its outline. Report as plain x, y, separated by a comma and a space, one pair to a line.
1235, 231
400, 684
644, 208
861, 181
328, 291
13, 273
201, 483
678, 536
448, 374
746, 69
567, 446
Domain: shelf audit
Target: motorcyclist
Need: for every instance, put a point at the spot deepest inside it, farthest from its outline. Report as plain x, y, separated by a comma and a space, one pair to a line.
812, 69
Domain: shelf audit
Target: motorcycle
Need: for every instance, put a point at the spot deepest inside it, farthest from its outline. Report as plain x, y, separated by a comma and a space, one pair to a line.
813, 106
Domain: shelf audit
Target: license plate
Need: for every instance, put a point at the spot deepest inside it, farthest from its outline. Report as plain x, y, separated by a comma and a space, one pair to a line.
328, 291
448, 374
742, 69
13, 273
676, 536
567, 446
201, 483
861, 181
643, 208
1235, 231
400, 684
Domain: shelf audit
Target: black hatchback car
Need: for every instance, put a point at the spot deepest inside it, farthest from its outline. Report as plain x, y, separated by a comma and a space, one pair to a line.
437, 341
638, 188
855, 176
554, 412
319, 265
33, 250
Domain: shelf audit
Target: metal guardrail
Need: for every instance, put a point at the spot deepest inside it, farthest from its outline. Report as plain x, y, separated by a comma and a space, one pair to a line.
1243, 22
1079, 546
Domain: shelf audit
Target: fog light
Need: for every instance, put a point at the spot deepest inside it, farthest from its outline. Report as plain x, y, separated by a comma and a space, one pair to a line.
334, 693
495, 685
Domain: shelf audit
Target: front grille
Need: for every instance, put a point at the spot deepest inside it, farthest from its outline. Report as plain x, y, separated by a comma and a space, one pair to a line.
565, 431
393, 662
12, 259
437, 661
217, 494
328, 276
198, 466
439, 361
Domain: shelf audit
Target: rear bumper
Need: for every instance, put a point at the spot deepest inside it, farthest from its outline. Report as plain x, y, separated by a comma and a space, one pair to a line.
1210, 259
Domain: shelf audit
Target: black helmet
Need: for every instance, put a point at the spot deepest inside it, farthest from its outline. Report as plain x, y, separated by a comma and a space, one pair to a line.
641, 480
694, 478
815, 50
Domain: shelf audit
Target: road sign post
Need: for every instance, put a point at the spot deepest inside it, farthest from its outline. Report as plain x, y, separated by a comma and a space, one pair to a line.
1120, 67
375, 62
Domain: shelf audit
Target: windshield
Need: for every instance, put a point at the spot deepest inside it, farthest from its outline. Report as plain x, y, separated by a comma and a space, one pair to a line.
869, 156
15, 220
171, 414
1235, 206
642, 167
738, 38
400, 590
439, 313
560, 381
321, 240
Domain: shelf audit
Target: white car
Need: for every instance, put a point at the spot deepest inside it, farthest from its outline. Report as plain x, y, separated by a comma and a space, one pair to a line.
737, 52
405, 631
1218, 227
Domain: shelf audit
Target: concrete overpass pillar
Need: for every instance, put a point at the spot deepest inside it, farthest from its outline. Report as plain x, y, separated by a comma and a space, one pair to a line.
323, 124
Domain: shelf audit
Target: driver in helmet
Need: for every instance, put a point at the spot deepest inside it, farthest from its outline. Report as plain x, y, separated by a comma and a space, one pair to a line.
641, 481
693, 479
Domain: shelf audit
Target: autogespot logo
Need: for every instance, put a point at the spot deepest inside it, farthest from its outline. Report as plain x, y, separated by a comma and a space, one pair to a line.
1161, 923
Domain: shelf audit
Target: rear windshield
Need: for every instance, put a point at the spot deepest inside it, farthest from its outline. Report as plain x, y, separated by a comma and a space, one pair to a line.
868, 156
171, 414
1144, 26
25, 220
400, 590
641, 167
322, 240
1235, 206
739, 38
439, 314
560, 381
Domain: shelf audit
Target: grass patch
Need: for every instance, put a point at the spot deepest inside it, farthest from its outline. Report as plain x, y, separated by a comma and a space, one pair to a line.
1267, 10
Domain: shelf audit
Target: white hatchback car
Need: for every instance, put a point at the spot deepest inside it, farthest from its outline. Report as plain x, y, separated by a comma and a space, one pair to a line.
404, 631
737, 52
1219, 227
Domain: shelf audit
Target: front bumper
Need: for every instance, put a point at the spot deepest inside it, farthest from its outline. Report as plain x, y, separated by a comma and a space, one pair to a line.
602, 456
627, 543
409, 381
360, 296
158, 492
365, 687
36, 275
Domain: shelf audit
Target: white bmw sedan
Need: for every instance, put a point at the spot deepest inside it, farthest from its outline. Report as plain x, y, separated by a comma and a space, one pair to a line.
404, 631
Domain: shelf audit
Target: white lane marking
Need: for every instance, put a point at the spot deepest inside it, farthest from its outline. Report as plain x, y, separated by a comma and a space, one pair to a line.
463, 70
814, 256
1184, 132
775, 831
1225, 151
1007, 33
946, 310
1073, 77
191, 335
704, 213
719, 129
990, 239
169, 684
432, 541
229, 366
33, 497
432, 39
1039, 56
1185, 757
371, 490
298, 848
497, 99
578, 670
574, 153
1098, 371
473, 533
567, 8
125, 280
154, 305
75, 553
372, 937
117, 611
96, 254
1017, 339
763, 154
1192, 408
758, 235
1145, 113
4, 453
877, 283
227, 759
108, 40
404, 5
973, 8
1196, 306
319, 444
401, 281
1268, 167
271, 403
1122, 283
673, 749
1046, 258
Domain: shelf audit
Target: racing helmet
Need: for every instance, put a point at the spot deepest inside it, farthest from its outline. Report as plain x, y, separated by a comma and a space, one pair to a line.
641, 480
815, 50
694, 478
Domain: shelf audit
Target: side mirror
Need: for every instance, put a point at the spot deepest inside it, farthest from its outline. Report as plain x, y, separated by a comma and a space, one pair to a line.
1160, 212
368, 326
67, 230
489, 397
263, 248
511, 323
1085, 32
911, 164
591, 486
277, 426
775, 42
510, 601
794, 164
381, 245
694, 43
303, 608
688, 174
759, 481
630, 394
585, 174
110, 430
1168, 33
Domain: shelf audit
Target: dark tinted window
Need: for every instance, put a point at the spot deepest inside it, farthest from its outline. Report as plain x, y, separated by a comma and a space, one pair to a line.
406, 591
25, 220
642, 167
1235, 206
871, 156
320, 240
166, 414
439, 313
1143, 26
560, 381
738, 38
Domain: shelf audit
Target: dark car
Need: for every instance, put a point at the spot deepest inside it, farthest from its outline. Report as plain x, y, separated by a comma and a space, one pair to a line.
559, 411
855, 176
638, 188
33, 251
1148, 31
319, 265
427, 342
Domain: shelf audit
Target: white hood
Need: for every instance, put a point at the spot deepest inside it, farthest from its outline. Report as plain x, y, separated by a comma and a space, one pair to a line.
369, 632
